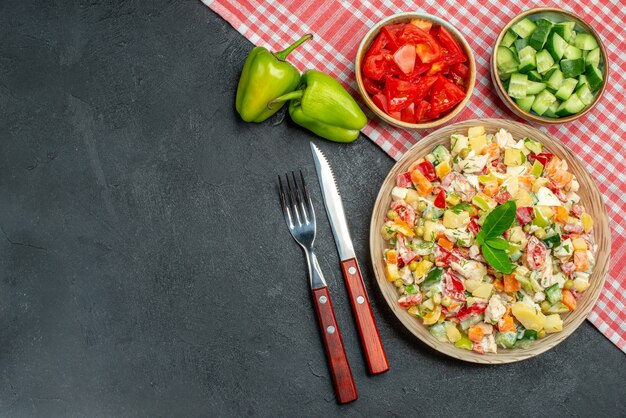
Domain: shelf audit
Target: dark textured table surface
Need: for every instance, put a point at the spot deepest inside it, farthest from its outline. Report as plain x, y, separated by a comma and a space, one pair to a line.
145, 267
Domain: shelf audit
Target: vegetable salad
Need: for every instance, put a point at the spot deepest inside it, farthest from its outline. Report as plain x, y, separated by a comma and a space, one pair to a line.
488, 242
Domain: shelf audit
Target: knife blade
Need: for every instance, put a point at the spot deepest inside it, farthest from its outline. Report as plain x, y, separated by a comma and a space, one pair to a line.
368, 331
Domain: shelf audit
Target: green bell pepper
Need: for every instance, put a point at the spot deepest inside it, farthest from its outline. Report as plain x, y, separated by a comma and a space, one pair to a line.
464, 343
265, 76
324, 107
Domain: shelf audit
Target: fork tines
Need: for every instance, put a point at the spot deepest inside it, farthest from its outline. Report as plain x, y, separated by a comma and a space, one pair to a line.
295, 200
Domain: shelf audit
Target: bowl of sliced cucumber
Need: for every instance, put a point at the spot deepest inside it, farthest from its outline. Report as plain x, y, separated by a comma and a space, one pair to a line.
549, 66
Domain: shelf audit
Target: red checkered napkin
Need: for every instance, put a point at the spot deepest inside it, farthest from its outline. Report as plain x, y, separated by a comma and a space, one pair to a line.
598, 138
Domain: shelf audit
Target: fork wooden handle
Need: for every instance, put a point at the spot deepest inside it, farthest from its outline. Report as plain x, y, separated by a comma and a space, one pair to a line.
370, 339
337, 360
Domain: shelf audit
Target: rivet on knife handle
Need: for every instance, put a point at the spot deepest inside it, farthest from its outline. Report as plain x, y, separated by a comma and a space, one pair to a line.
370, 339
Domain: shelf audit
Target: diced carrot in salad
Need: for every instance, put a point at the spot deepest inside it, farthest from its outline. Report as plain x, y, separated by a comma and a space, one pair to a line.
437, 261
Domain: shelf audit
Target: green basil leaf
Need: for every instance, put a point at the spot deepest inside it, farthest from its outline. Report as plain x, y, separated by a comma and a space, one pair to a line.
480, 237
498, 243
499, 220
497, 259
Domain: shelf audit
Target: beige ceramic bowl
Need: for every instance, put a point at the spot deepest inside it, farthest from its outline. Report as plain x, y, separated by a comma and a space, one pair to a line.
556, 15
405, 18
590, 198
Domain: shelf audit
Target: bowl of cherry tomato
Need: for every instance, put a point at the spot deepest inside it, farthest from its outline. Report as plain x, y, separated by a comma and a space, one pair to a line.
415, 70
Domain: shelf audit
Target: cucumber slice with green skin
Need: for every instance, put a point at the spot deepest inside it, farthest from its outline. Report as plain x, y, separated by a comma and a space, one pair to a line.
556, 46
441, 153
584, 94
571, 106
582, 79
525, 103
555, 80
594, 77
524, 28
505, 60
548, 74
572, 68
585, 53
564, 29
585, 41
542, 102
571, 52
521, 43
508, 38
533, 87
517, 85
544, 61
551, 111
534, 75
566, 89
593, 57
527, 59
541, 33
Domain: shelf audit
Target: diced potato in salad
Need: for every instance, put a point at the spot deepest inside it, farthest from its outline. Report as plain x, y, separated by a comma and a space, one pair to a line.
435, 261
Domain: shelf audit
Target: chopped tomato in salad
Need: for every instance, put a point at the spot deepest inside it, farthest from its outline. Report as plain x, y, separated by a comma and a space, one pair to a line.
474, 287
415, 72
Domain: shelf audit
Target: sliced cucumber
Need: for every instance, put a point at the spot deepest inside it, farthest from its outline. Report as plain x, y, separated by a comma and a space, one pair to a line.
517, 85
521, 43
584, 94
527, 59
508, 38
533, 87
585, 41
555, 80
525, 103
556, 46
524, 28
551, 111
566, 89
441, 153
534, 75
564, 29
540, 34
572, 68
544, 61
571, 52
593, 57
506, 61
542, 102
571, 106
594, 77
548, 74
582, 79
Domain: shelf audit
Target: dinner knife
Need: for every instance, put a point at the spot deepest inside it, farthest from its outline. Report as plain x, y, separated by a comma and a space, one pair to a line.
368, 332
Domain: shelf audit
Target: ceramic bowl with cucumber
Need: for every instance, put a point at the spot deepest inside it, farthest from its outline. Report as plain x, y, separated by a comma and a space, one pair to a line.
549, 66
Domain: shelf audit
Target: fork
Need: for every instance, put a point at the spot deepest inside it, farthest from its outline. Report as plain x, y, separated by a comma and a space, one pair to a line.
300, 217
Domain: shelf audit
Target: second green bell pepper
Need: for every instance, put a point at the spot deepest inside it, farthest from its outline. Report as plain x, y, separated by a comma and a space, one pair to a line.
323, 106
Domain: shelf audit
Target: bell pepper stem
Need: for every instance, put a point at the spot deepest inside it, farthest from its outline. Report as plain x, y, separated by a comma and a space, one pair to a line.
286, 97
282, 55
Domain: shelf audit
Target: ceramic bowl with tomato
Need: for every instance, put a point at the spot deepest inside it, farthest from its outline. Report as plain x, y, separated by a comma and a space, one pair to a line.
415, 70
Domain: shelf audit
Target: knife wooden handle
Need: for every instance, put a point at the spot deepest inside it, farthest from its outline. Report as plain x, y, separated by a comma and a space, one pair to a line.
370, 339
337, 360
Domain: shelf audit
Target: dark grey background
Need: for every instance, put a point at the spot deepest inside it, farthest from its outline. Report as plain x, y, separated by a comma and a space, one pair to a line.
145, 268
